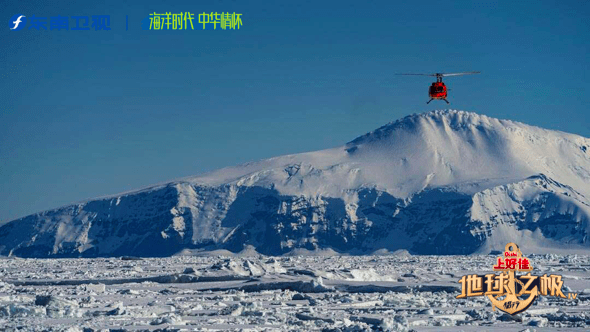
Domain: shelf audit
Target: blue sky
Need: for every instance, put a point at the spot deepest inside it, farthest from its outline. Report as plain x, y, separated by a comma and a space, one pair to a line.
92, 113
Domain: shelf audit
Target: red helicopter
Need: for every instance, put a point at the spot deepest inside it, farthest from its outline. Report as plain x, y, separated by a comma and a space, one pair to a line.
438, 90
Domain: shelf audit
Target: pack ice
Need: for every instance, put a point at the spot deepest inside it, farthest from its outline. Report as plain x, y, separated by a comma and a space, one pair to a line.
442, 182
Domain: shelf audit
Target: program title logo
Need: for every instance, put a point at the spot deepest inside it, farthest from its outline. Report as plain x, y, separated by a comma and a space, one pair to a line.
508, 292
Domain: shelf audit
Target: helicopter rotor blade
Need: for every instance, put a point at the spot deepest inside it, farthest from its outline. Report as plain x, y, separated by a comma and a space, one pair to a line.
418, 74
457, 74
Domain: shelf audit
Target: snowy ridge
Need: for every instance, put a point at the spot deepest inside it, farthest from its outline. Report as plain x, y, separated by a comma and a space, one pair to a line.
443, 182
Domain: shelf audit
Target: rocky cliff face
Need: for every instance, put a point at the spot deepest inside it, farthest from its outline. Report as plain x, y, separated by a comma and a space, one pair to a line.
444, 182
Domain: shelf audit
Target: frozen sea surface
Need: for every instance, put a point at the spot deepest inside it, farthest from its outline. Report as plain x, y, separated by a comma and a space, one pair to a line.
261, 293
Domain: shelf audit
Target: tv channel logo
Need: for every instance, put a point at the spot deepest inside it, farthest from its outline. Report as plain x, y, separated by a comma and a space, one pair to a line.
17, 22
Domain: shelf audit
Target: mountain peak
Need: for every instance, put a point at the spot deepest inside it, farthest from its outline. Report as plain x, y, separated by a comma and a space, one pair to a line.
454, 119
444, 181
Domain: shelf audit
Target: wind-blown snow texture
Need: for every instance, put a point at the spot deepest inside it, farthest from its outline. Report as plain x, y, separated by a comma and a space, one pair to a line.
443, 182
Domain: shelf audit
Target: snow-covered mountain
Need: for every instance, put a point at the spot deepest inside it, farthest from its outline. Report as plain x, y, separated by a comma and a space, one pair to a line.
443, 182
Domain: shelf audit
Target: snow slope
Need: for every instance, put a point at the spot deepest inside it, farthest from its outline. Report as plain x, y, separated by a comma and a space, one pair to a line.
443, 182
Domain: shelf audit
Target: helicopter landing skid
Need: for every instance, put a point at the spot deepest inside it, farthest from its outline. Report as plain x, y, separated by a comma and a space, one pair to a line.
428, 102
